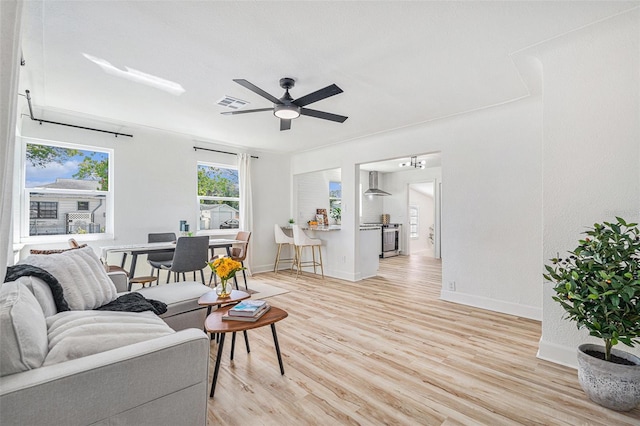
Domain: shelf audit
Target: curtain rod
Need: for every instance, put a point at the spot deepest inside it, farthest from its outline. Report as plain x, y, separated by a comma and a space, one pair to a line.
68, 125
195, 148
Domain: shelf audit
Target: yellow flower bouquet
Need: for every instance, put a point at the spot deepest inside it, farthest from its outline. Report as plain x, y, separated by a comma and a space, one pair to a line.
225, 268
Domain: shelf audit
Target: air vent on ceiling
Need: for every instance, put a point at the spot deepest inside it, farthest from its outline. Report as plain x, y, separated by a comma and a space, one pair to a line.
232, 103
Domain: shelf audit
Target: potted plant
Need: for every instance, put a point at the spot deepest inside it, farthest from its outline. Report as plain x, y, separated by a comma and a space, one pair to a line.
598, 285
336, 214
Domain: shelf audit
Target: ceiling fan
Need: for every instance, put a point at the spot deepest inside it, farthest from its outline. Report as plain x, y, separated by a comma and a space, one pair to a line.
286, 108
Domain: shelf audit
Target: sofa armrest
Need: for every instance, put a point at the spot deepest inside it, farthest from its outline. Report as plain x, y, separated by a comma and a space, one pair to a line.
120, 280
160, 381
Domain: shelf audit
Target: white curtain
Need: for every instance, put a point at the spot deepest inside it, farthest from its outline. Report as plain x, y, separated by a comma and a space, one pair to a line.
246, 207
10, 18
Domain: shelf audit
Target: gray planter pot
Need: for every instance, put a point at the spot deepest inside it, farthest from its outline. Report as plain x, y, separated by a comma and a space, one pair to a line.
608, 384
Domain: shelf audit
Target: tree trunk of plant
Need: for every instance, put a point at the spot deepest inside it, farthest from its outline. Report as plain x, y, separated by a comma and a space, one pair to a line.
607, 349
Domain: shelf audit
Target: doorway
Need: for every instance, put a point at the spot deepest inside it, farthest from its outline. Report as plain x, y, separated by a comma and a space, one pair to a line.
424, 219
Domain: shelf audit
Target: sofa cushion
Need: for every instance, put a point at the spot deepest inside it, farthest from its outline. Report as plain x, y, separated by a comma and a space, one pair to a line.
75, 334
180, 297
23, 330
82, 276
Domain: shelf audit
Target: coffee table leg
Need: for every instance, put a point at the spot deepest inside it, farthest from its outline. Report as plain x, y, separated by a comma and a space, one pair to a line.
246, 341
275, 341
233, 344
217, 367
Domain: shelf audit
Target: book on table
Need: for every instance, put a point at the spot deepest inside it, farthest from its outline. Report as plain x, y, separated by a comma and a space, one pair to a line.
254, 318
248, 308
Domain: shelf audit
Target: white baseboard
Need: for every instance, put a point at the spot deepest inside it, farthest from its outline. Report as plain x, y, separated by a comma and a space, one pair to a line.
342, 275
510, 308
558, 354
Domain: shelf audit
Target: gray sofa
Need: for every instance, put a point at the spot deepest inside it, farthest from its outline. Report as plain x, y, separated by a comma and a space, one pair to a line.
158, 376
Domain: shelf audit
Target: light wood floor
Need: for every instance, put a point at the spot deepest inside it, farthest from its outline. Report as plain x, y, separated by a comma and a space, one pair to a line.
354, 356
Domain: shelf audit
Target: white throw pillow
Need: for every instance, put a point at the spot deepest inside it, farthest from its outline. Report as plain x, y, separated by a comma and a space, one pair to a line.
75, 334
42, 292
84, 281
23, 330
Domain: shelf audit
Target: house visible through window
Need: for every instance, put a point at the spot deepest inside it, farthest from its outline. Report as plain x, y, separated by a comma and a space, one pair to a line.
67, 190
218, 196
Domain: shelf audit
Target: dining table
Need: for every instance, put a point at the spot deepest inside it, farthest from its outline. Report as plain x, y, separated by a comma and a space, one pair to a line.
164, 247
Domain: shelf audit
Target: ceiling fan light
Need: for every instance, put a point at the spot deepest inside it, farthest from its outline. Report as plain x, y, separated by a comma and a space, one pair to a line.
286, 112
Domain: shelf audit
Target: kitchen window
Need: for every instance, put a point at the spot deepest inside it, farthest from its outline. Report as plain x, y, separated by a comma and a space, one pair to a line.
218, 197
66, 190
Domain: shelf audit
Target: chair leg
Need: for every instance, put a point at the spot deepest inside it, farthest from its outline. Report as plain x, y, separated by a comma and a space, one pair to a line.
201, 275
244, 275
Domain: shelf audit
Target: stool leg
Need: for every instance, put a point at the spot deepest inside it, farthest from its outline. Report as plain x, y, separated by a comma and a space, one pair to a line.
321, 264
275, 341
313, 256
275, 265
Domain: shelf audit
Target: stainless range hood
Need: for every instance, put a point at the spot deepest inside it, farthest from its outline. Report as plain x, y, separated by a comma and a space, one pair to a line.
373, 185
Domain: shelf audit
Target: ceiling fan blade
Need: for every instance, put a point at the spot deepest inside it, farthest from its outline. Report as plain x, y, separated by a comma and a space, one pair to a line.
246, 111
256, 89
323, 115
285, 124
318, 95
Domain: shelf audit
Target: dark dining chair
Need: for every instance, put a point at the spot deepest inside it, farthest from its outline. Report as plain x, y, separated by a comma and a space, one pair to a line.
158, 260
191, 255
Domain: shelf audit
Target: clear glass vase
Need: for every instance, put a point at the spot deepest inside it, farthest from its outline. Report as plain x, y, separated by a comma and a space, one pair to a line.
223, 289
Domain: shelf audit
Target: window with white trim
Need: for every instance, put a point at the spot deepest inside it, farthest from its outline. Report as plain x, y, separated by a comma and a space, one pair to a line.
66, 190
218, 197
413, 222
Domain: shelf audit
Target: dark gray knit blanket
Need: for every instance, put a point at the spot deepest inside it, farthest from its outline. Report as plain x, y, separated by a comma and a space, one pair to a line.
130, 302
134, 302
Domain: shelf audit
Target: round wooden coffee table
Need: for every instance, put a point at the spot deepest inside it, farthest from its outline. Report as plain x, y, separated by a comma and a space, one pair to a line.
215, 324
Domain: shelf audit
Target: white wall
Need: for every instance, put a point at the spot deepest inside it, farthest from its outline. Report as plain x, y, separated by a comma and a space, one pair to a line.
591, 149
492, 198
155, 183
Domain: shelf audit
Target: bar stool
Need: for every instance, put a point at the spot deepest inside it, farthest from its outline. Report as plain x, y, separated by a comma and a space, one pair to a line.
302, 240
283, 239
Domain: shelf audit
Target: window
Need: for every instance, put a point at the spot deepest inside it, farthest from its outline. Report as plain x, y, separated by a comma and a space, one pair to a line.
43, 210
218, 197
67, 190
335, 200
413, 222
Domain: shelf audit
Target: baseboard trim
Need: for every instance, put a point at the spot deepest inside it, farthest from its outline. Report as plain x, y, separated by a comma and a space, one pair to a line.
524, 311
342, 275
558, 354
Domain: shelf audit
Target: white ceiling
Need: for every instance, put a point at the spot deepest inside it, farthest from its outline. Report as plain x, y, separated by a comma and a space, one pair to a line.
399, 63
